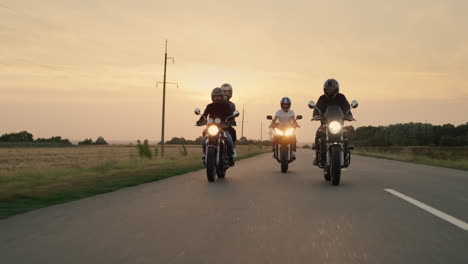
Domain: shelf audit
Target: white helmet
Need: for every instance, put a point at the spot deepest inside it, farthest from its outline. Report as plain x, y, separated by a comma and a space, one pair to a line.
227, 89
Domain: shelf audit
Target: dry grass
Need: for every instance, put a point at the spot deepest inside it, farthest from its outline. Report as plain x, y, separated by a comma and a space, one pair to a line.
34, 178
451, 157
19, 159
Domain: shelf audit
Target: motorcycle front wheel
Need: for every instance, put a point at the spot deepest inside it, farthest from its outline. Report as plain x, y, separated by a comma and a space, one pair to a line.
221, 167
284, 160
335, 168
210, 164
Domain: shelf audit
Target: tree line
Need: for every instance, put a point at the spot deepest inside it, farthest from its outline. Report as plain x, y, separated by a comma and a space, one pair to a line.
197, 141
410, 134
24, 137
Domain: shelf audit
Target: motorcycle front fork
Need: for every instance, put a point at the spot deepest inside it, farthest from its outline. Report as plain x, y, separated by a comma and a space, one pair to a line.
322, 156
276, 151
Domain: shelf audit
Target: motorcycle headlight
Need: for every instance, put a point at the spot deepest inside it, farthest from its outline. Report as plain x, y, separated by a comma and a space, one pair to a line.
334, 127
218, 120
289, 131
278, 132
210, 120
213, 130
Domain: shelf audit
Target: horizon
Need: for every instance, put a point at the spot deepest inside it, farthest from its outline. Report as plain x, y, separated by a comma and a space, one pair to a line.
157, 141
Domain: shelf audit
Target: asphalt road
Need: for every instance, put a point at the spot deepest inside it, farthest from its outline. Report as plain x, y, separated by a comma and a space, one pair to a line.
256, 215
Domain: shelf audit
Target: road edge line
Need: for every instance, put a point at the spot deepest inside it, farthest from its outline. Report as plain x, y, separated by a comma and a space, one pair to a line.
453, 220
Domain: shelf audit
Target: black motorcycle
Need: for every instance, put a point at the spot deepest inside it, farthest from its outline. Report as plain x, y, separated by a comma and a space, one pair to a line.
216, 156
283, 143
333, 150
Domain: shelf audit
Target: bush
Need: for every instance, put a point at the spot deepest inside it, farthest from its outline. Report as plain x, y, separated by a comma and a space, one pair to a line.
306, 146
57, 140
100, 141
22, 136
144, 149
183, 141
87, 141
183, 151
156, 151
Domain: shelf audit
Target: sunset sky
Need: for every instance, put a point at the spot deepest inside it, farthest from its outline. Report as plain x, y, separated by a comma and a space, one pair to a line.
88, 68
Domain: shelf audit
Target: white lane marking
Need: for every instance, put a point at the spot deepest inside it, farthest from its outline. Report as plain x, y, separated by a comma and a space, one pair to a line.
440, 214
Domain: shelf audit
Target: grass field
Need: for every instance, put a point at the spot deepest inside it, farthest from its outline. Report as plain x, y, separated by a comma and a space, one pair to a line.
450, 157
32, 178
15, 159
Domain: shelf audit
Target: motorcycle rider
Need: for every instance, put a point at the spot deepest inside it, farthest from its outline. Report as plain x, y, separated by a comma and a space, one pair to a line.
218, 109
227, 89
330, 96
285, 116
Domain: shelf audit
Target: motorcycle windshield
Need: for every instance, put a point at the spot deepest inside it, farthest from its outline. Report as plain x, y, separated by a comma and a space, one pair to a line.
283, 126
334, 113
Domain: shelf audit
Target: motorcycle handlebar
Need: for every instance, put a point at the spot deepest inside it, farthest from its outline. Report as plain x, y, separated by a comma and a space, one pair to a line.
347, 118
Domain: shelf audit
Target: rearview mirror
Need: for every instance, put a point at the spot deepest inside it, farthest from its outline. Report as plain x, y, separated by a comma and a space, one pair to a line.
197, 111
269, 117
236, 113
311, 104
354, 104
299, 117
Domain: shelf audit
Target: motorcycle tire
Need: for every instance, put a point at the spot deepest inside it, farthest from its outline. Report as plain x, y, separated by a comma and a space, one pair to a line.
220, 168
210, 164
284, 160
335, 168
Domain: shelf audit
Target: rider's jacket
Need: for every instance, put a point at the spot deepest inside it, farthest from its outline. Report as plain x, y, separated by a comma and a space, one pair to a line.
324, 101
217, 110
232, 108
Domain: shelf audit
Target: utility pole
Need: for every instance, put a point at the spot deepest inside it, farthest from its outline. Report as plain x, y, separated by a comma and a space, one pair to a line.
162, 132
261, 131
242, 130
164, 100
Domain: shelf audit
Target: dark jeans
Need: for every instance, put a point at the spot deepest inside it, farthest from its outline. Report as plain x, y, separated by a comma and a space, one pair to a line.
229, 142
233, 133
319, 139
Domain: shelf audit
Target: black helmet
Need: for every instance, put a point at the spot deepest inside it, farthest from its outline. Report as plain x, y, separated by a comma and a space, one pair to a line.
285, 103
217, 95
331, 87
